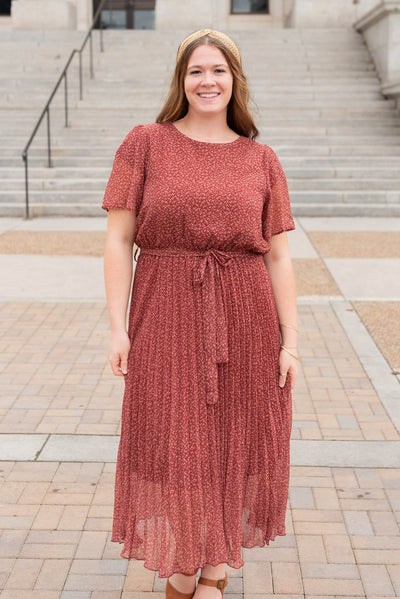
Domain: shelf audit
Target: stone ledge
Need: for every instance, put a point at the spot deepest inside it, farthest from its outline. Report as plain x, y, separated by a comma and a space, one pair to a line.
103, 448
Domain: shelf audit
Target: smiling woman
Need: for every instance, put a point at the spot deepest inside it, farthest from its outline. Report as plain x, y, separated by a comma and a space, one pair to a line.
209, 356
210, 64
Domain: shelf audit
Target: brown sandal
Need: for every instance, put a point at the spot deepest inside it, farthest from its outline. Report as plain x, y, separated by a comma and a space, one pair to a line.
172, 593
220, 584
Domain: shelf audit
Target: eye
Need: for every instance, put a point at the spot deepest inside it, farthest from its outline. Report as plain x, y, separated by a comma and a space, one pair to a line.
220, 70
194, 72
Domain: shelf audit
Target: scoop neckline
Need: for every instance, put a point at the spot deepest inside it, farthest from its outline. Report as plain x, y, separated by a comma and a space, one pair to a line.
208, 143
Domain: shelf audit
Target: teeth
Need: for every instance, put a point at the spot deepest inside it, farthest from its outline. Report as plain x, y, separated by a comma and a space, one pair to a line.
208, 95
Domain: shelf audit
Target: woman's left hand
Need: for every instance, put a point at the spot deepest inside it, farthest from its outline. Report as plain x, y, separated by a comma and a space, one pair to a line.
287, 365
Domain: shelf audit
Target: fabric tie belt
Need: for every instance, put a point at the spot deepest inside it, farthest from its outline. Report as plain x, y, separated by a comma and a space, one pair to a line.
215, 330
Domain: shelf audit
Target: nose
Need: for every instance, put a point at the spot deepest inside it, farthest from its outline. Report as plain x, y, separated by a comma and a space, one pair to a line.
208, 78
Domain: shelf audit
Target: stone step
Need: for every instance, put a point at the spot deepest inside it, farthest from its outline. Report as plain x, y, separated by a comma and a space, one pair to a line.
319, 107
90, 114
98, 183
293, 171
295, 159
347, 148
325, 136
297, 196
17, 209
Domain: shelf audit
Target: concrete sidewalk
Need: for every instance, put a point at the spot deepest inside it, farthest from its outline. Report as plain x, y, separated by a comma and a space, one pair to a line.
60, 410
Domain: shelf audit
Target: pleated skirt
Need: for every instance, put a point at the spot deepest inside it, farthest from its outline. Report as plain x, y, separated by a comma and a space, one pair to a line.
196, 481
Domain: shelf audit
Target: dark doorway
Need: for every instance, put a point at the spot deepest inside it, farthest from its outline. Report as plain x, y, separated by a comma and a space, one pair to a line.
240, 7
127, 14
5, 7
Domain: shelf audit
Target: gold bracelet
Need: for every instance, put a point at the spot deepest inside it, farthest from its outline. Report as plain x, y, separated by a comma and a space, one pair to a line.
289, 352
289, 326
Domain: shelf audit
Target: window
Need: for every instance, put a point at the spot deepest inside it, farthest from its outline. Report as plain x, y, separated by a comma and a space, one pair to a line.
127, 14
240, 7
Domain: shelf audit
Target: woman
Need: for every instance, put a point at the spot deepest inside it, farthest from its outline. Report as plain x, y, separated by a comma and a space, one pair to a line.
209, 356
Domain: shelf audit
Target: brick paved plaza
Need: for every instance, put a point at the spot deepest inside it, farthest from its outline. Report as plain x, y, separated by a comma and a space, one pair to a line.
60, 418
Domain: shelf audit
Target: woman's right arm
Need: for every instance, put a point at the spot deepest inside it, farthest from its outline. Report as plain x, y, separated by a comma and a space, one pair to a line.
118, 278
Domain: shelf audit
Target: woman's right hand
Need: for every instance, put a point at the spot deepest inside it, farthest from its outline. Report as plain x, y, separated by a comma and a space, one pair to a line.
118, 352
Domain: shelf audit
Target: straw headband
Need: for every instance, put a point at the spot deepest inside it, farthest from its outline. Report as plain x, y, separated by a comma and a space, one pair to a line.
222, 37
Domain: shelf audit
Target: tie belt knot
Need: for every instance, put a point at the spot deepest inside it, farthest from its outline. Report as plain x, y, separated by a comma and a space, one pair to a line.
221, 257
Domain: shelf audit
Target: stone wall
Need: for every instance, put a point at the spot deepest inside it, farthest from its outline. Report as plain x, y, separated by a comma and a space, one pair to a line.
51, 14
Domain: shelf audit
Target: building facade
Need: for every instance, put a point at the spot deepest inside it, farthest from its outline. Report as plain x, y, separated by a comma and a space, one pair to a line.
377, 20
227, 15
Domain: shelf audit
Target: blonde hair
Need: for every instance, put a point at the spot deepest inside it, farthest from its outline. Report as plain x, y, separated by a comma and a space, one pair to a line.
176, 106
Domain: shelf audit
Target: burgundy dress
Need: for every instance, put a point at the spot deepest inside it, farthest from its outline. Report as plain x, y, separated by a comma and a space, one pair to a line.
203, 460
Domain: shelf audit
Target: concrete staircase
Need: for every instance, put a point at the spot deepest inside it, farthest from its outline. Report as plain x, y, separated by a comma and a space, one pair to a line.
318, 106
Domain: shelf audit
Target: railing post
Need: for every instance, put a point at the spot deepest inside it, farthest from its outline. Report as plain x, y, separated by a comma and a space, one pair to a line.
48, 137
91, 54
101, 33
25, 158
66, 98
80, 74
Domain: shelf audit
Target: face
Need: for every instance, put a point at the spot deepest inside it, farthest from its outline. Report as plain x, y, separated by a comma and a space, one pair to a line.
208, 81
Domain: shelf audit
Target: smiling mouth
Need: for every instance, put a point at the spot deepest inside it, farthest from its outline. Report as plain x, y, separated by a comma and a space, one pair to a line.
209, 95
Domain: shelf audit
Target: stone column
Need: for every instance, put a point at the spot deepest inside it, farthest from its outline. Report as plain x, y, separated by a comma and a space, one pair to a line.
188, 16
43, 14
380, 27
322, 13
84, 14
215, 14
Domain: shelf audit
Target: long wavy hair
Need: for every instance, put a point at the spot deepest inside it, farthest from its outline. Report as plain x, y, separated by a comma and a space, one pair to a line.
238, 116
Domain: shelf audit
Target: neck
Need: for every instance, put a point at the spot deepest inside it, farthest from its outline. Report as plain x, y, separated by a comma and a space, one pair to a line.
213, 127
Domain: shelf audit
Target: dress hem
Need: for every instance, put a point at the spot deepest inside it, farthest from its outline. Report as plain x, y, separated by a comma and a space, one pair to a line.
230, 563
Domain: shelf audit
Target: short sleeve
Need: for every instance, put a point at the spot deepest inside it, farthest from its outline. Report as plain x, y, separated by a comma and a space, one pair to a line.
277, 214
125, 185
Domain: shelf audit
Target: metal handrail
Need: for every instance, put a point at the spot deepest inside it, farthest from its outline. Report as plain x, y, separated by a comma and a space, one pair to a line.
46, 109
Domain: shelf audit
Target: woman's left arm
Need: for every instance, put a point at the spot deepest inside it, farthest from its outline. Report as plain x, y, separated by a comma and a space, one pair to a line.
280, 270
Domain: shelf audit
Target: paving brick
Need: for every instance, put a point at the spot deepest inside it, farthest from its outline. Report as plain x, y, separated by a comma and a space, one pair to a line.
311, 548
311, 481
31, 594
375, 542
73, 517
384, 523
338, 549
376, 580
301, 497
378, 556
325, 498
11, 542
340, 571
394, 573
114, 595
48, 517
47, 551
138, 578
257, 577
24, 574
102, 566
6, 566
81, 595
91, 545
319, 528
93, 582
34, 493
53, 574
10, 492
357, 522
286, 577
332, 586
